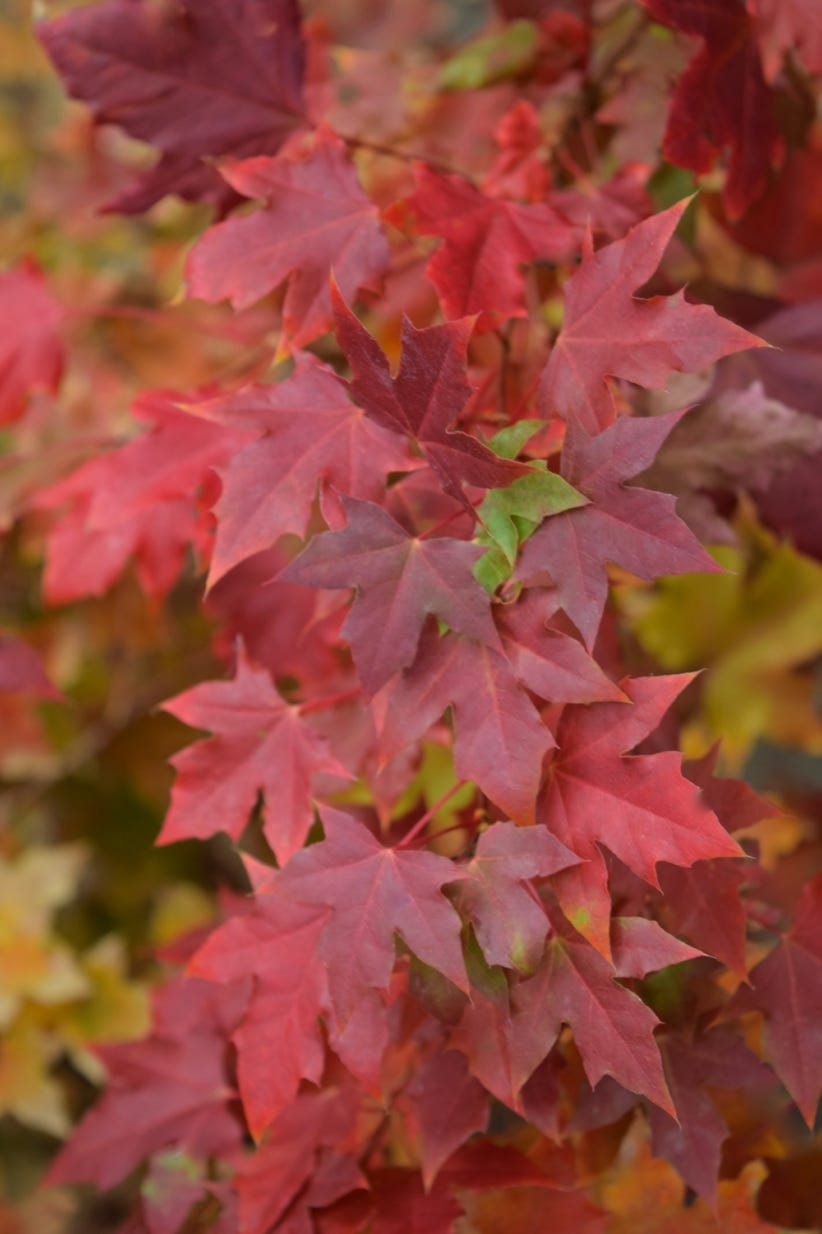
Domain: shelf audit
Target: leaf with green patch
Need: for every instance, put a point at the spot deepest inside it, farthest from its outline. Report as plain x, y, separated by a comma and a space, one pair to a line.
511, 514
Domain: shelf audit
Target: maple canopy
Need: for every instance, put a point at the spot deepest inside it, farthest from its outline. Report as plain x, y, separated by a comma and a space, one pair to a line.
398, 483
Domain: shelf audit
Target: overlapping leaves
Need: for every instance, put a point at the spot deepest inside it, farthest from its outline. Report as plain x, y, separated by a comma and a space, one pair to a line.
386, 979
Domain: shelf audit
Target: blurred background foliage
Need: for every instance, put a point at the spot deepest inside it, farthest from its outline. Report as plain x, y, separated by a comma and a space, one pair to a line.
85, 898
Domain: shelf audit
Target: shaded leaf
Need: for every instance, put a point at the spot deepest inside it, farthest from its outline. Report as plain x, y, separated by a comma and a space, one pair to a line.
198, 79
787, 988
721, 101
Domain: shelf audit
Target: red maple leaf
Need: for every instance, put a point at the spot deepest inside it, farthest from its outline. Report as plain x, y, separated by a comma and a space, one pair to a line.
519, 169
787, 988
399, 579
310, 434
373, 892
613, 1029
487, 241
278, 1039
197, 79
506, 1039
702, 901
500, 739
694, 1066
640, 807
608, 332
169, 1089
262, 744
426, 396
315, 218
631, 527
284, 626
640, 946
509, 921
289, 1160
402, 1203
735, 803
722, 101
485, 1165
31, 348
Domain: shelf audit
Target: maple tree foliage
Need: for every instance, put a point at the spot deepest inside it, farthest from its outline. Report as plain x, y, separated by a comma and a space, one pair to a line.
497, 941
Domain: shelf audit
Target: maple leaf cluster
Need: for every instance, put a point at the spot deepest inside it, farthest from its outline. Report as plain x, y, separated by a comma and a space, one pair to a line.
490, 912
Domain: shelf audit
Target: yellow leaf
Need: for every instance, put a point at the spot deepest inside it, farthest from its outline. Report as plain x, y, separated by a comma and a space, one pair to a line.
754, 630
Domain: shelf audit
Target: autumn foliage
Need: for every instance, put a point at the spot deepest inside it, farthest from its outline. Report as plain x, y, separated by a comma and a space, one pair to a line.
365, 454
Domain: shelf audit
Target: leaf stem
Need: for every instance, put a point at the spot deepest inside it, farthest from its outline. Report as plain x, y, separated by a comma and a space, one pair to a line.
429, 531
328, 700
429, 814
403, 156
446, 831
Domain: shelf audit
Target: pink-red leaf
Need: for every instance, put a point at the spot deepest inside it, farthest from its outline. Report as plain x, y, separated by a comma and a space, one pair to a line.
573, 985
787, 988
608, 332
631, 527
310, 434
315, 217
640, 807
702, 902
170, 1089
140, 499
270, 1180
547, 660
693, 1066
261, 744
783, 25
278, 1039
447, 1106
375, 892
31, 348
401, 1204
500, 738
399, 580
612, 1028
487, 241
510, 922
640, 946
